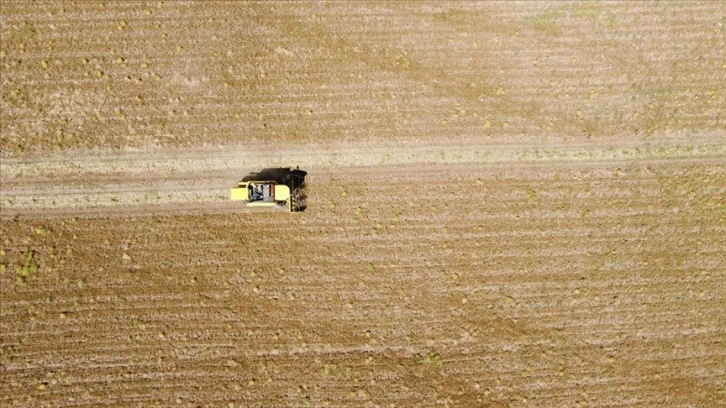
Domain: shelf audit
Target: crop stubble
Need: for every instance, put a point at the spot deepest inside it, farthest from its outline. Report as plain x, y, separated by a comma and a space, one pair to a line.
597, 284
543, 228
178, 74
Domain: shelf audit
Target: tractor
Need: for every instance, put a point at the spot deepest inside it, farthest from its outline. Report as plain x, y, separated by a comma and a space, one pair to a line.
281, 187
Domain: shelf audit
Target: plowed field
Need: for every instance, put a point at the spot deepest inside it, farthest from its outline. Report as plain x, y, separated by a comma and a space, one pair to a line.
510, 204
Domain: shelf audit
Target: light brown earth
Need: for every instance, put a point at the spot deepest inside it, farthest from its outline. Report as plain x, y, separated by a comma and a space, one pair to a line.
511, 204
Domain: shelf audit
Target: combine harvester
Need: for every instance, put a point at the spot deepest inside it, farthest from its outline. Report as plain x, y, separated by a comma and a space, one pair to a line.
273, 187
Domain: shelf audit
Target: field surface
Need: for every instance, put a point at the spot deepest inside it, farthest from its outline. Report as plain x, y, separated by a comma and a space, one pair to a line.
510, 204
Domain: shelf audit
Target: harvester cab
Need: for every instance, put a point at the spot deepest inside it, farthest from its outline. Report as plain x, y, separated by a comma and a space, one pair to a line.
273, 187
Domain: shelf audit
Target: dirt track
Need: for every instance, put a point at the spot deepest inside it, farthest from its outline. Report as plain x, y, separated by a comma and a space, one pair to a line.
510, 204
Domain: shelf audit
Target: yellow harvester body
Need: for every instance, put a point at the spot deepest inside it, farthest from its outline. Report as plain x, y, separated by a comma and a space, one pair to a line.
279, 187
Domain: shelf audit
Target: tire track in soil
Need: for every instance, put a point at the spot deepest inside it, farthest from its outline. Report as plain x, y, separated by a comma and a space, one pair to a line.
197, 178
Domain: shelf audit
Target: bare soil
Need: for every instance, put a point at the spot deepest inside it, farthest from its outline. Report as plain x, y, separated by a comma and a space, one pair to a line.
510, 204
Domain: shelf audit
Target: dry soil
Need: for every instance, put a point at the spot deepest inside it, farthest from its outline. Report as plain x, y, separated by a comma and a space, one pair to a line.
510, 204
